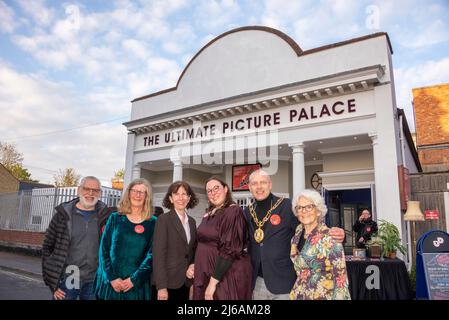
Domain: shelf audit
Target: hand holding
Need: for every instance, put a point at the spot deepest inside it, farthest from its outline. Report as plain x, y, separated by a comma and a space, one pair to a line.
127, 284
117, 285
210, 290
190, 272
59, 294
162, 294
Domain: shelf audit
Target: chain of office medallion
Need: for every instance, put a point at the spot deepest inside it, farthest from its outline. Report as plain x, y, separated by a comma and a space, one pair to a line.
260, 224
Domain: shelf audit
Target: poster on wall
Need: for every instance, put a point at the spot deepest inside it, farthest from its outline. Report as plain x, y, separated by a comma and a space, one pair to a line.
240, 176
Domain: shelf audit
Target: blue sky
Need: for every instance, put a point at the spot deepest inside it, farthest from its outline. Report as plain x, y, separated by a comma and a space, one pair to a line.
68, 69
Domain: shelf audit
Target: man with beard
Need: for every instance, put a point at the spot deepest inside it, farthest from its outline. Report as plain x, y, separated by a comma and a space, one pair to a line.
70, 248
272, 225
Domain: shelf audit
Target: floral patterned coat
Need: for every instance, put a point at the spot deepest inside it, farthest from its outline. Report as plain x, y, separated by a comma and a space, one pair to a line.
320, 267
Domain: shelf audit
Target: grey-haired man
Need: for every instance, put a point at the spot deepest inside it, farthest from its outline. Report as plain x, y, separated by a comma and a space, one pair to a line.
70, 248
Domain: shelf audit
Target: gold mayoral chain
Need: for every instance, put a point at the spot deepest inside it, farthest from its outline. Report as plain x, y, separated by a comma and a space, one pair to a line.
259, 234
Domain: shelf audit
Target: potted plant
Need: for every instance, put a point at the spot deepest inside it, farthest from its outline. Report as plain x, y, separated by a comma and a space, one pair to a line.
388, 238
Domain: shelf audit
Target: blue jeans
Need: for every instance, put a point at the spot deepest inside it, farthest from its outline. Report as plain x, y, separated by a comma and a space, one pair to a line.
85, 292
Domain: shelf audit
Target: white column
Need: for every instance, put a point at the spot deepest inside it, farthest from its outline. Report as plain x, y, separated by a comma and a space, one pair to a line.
177, 170
299, 173
129, 158
136, 174
377, 173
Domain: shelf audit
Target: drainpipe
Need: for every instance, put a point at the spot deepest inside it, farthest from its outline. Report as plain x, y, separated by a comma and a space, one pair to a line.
407, 225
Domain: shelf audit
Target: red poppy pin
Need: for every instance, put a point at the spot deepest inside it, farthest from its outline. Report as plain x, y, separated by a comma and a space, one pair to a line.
102, 229
139, 229
275, 219
368, 229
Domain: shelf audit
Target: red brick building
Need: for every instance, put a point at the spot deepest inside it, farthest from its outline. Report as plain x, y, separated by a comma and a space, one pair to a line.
431, 106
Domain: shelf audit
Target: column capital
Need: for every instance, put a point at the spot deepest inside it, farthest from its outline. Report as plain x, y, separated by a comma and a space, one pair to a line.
176, 162
373, 135
297, 147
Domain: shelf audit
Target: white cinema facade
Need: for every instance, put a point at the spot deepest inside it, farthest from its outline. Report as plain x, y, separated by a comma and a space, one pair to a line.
252, 95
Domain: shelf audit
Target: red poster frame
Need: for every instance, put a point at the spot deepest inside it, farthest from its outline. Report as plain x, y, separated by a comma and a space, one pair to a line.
240, 176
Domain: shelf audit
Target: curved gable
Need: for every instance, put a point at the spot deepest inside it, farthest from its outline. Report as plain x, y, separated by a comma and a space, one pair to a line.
241, 57
244, 59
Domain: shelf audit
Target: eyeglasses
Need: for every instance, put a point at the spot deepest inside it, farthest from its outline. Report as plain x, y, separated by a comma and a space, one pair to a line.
137, 192
90, 190
307, 208
214, 189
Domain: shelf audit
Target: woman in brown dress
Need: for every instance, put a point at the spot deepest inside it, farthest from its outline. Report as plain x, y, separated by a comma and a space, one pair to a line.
222, 269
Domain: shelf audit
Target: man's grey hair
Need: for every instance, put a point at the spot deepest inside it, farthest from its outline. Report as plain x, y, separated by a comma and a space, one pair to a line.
83, 181
259, 172
316, 199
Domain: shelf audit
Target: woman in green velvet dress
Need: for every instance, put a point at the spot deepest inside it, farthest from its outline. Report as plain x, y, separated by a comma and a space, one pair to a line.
125, 257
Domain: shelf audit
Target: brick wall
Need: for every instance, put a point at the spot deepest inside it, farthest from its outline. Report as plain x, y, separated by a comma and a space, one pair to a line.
22, 238
438, 156
431, 106
8, 183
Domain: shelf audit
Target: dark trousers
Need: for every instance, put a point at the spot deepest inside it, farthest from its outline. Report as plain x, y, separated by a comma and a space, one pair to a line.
85, 292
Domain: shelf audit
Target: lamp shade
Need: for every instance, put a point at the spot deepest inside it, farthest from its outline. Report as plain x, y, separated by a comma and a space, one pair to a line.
413, 212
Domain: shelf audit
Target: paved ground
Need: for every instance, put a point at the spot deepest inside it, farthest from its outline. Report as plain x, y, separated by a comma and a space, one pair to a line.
17, 286
21, 278
24, 263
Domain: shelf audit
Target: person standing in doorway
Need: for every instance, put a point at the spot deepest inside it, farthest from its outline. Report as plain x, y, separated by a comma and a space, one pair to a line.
365, 227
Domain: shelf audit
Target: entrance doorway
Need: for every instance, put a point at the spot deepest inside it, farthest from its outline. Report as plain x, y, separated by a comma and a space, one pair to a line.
344, 208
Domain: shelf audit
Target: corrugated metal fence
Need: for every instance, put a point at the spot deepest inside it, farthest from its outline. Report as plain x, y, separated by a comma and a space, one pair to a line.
32, 210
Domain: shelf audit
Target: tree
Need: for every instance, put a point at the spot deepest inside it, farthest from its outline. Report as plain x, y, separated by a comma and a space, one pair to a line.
117, 181
21, 173
66, 178
119, 174
12, 160
9, 156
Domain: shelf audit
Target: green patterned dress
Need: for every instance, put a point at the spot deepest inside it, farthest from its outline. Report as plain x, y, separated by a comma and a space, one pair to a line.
125, 251
320, 267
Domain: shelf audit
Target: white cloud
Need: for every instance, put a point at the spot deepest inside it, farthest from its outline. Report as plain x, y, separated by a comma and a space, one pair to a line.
179, 39
280, 14
426, 74
434, 33
312, 27
31, 105
136, 48
8, 21
214, 15
37, 10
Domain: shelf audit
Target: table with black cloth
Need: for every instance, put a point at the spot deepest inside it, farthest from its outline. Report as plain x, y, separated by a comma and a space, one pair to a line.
394, 281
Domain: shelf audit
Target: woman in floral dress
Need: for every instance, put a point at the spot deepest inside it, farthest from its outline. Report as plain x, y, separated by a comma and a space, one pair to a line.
319, 261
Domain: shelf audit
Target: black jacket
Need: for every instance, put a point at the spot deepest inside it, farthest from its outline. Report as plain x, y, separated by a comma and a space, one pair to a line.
274, 251
57, 240
364, 229
172, 255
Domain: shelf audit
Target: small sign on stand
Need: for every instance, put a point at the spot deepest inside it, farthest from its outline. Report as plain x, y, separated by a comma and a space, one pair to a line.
432, 214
